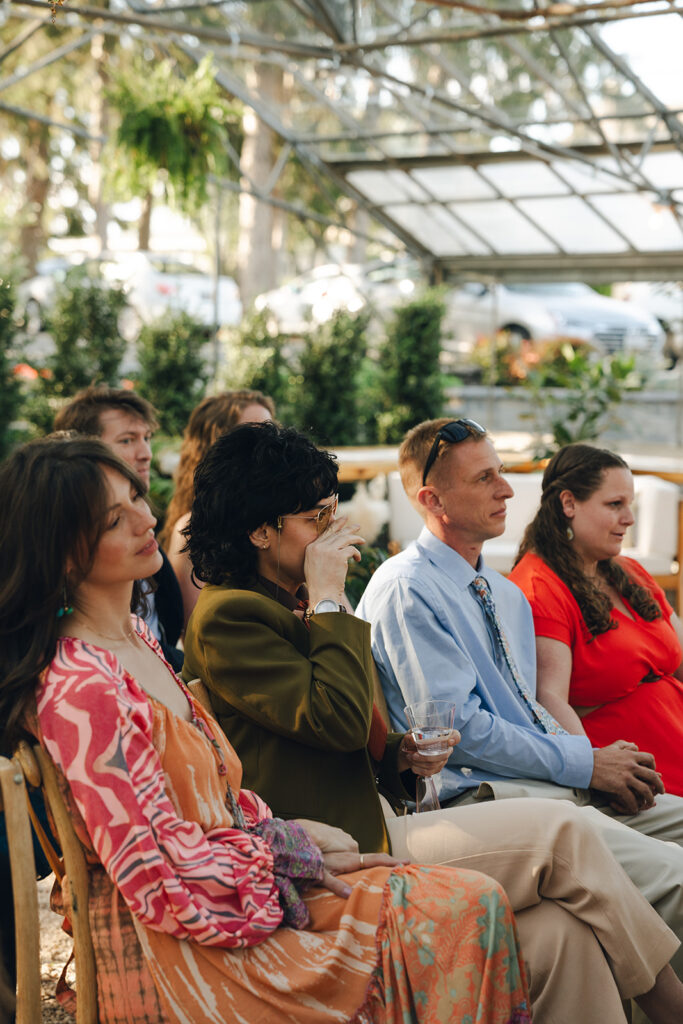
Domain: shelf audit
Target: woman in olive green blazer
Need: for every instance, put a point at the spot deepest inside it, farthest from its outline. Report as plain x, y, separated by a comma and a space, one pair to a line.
296, 700
293, 691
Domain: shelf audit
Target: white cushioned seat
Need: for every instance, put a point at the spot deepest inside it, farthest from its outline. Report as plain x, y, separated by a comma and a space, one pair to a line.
652, 540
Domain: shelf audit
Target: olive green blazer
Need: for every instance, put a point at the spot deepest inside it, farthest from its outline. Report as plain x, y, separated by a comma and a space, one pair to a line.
296, 704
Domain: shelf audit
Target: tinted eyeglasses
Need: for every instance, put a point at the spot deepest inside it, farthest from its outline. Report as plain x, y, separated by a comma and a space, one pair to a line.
452, 433
323, 517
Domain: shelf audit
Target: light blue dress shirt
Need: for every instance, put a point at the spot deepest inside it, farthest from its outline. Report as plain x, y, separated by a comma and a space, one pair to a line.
431, 640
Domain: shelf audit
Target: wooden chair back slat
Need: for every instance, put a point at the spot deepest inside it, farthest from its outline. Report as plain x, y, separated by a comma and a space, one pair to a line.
25, 892
78, 894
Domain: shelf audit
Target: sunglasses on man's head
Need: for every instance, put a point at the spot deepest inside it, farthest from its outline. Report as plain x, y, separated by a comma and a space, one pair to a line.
323, 517
452, 433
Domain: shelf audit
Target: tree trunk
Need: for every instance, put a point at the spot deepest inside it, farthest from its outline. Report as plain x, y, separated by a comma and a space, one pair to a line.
360, 221
145, 222
99, 120
256, 259
36, 165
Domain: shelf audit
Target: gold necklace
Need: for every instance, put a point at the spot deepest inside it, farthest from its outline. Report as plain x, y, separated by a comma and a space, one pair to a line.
131, 635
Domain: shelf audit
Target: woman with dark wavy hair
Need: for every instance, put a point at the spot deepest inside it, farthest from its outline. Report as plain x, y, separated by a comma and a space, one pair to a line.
214, 416
608, 643
203, 907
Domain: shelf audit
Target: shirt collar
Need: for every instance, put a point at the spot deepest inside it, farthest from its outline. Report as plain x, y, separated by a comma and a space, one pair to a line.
282, 596
457, 568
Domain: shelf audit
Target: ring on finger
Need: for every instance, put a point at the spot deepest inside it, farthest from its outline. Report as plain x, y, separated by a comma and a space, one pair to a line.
362, 860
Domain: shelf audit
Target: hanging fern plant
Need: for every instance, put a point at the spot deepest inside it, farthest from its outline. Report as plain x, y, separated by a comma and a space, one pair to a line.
172, 124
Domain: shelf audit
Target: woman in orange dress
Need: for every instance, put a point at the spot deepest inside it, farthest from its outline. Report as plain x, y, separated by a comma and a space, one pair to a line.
204, 908
608, 643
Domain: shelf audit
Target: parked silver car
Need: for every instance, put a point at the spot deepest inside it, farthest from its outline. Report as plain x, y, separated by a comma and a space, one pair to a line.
153, 282
473, 310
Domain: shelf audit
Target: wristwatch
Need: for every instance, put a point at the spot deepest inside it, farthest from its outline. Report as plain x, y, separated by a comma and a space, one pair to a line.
326, 605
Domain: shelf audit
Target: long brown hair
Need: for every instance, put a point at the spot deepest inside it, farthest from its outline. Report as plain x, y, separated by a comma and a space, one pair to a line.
581, 469
53, 510
208, 421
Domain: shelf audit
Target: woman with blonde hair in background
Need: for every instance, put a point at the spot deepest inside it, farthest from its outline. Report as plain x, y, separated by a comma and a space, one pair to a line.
214, 416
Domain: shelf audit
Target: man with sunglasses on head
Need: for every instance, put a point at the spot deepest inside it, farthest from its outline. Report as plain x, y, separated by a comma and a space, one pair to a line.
445, 626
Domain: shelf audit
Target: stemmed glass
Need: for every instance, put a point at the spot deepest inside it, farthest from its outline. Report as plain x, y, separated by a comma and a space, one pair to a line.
431, 724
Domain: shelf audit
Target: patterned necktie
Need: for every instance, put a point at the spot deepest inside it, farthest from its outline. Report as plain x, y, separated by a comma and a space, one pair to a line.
540, 715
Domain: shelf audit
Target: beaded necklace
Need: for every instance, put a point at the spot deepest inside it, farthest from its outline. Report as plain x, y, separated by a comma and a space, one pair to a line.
203, 726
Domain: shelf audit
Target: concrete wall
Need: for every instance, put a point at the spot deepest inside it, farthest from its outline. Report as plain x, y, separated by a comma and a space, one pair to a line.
645, 416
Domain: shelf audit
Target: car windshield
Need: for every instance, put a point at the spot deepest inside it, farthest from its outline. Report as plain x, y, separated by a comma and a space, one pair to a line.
570, 289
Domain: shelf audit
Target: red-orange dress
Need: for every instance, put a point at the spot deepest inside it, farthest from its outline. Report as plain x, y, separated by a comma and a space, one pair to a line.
611, 669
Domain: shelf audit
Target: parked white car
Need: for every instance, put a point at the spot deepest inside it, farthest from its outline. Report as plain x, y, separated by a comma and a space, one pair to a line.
473, 310
154, 283
663, 300
552, 310
313, 297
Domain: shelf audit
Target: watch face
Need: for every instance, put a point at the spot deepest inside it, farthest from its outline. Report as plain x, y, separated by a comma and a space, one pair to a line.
326, 606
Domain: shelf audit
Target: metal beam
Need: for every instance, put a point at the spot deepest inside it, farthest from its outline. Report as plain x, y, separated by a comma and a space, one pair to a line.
599, 267
22, 37
252, 39
47, 59
587, 151
30, 115
494, 31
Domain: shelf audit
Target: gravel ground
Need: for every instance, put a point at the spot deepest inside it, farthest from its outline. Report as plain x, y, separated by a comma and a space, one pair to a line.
55, 949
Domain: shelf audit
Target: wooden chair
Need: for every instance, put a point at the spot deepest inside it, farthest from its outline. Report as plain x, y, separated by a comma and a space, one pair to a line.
33, 766
24, 891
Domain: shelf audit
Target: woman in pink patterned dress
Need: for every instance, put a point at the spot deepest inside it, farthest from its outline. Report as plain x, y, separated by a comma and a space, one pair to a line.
203, 907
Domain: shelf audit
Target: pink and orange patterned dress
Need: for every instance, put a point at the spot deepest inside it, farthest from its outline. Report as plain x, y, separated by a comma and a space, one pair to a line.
185, 912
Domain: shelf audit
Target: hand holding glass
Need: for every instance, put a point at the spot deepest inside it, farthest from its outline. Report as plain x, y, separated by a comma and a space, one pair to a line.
431, 725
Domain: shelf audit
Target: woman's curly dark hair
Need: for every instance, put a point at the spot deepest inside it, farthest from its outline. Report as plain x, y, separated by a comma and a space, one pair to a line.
249, 477
580, 468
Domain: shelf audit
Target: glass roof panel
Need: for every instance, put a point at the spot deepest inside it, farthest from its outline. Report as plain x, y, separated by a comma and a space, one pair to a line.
505, 228
387, 186
452, 183
605, 89
664, 170
587, 180
648, 225
641, 40
524, 178
436, 229
574, 225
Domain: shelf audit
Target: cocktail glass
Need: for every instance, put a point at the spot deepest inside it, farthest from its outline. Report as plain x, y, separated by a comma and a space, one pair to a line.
431, 724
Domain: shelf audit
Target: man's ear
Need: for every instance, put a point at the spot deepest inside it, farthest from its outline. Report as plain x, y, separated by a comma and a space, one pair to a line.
259, 537
429, 500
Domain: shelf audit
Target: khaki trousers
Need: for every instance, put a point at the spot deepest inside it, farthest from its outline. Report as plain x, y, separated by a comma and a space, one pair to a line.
648, 845
589, 937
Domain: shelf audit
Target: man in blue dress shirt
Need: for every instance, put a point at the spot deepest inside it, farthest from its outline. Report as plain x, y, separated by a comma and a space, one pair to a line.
432, 639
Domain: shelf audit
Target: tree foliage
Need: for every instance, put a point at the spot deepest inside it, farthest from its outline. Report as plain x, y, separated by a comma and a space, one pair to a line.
173, 372
10, 397
592, 385
410, 379
84, 325
260, 357
329, 402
